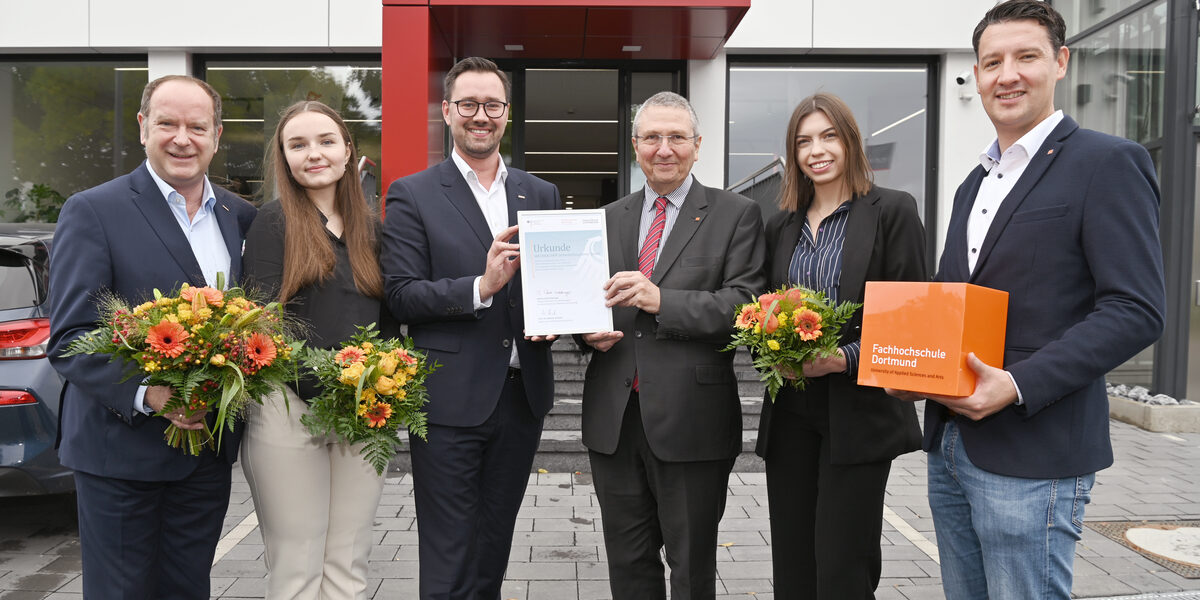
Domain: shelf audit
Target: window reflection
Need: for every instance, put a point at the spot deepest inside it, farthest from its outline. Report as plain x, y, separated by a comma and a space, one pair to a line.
1082, 14
254, 93
889, 103
65, 126
1115, 83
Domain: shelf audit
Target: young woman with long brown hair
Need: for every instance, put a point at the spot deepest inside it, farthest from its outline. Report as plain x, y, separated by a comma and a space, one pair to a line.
829, 448
314, 248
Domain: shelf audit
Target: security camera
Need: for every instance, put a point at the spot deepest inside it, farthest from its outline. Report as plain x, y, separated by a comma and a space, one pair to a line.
964, 78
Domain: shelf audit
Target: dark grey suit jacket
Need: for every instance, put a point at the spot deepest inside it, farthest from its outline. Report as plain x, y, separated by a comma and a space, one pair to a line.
711, 261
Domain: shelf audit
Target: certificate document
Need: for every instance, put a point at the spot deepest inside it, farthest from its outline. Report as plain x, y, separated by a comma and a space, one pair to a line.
564, 264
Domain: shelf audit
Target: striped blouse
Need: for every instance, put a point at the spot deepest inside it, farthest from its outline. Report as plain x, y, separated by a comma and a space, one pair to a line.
817, 265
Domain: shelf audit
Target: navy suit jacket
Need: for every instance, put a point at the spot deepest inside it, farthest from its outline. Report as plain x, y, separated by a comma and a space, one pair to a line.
122, 237
434, 244
1075, 244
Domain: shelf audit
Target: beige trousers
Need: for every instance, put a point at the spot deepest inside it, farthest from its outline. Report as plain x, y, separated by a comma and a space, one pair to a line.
316, 500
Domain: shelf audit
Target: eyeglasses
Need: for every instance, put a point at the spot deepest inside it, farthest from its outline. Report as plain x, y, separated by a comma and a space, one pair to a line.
674, 140
469, 108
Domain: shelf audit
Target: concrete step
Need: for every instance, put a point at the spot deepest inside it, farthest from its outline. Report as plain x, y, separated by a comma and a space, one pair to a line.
574, 389
561, 448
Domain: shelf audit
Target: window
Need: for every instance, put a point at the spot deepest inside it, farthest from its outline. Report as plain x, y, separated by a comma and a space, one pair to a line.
1115, 82
254, 93
889, 101
65, 126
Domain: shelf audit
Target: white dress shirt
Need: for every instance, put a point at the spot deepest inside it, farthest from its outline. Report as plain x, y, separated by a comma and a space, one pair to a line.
203, 234
1004, 170
493, 202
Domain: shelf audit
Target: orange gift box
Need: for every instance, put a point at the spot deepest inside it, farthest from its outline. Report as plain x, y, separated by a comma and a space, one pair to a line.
916, 336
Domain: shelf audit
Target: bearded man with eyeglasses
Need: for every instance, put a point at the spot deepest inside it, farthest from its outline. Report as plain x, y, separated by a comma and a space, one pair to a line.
449, 261
661, 413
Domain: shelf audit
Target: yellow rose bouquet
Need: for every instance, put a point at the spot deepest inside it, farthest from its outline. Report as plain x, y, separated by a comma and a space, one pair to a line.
217, 350
786, 328
370, 388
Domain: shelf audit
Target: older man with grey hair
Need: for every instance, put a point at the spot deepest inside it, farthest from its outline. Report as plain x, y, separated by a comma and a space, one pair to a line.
661, 413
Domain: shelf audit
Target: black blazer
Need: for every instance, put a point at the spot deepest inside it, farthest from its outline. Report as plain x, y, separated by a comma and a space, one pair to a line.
885, 241
1075, 244
121, 236
434, 244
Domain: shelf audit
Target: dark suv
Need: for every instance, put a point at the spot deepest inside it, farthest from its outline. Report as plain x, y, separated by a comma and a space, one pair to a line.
29, 387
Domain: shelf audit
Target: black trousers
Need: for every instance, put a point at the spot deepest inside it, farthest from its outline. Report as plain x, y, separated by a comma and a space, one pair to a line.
152, 539
826, 519
648, 504
468, 483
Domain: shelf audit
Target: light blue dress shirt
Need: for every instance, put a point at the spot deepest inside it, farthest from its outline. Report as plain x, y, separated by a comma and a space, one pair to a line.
204, 236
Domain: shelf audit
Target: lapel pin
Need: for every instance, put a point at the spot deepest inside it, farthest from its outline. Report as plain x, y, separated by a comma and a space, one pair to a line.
520, 196
697, 218
1049, 152
225, 207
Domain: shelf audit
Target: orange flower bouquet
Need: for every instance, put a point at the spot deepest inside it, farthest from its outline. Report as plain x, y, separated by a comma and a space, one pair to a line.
217, 350
370, 388
786, 328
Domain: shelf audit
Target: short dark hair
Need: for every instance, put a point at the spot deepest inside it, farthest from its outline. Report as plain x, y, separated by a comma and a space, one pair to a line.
1020, 10
480, 65
150, 88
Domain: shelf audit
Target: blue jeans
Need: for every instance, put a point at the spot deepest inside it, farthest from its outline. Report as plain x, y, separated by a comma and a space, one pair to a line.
1003, 537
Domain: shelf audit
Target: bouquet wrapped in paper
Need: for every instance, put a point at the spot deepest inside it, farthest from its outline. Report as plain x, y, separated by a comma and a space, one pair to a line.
786, 328
216, 350
369, 389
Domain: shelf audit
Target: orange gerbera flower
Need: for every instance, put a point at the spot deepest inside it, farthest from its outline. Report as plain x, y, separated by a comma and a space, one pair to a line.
378, 414
167, 338
350, 355
260, 350
808, 324
212, 296
747, 318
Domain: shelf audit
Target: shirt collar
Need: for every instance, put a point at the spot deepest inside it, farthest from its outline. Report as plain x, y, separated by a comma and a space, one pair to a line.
1029, 143
675, 197
469, 174
209, 197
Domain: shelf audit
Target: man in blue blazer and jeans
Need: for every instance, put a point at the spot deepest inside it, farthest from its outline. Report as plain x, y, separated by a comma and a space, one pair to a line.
149, 514
1065, 220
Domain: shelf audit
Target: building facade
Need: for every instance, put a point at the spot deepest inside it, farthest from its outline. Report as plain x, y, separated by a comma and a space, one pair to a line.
71, 74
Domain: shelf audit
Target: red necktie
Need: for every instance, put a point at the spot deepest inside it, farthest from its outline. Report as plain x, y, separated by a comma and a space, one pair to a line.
650, 248
653, 236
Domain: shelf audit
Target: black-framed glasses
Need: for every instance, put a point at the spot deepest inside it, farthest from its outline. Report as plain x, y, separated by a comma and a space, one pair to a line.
469, 108
674, 139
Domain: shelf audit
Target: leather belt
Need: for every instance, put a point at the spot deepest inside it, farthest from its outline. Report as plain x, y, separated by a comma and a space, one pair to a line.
513, 373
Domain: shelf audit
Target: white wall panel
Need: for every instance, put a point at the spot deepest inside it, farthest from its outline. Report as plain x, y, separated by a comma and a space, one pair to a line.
775, 25
911, 24
964, 131
43, 25
706, 92
356, 25
267, 24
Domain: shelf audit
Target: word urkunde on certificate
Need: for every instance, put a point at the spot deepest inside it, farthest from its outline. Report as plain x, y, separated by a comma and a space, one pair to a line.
564, 264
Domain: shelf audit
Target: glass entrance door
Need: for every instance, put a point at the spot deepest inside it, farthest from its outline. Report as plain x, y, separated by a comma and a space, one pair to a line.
572, 124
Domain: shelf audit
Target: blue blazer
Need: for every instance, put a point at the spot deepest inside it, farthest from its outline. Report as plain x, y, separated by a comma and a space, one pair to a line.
121, 236
1075, 244
434, 244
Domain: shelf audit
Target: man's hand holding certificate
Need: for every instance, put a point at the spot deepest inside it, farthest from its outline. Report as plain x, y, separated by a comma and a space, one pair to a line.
564, 266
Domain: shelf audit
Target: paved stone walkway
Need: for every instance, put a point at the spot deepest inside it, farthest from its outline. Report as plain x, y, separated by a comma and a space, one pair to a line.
559, 555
